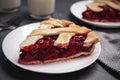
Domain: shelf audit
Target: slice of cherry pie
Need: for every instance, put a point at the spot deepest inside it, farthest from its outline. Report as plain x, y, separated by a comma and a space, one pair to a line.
103, 11
56, 40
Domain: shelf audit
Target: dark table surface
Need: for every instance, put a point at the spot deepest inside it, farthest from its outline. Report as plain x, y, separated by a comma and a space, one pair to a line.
9, 71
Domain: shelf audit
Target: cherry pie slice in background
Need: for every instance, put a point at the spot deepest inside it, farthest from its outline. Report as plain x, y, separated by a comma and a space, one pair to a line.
103, 11
57, 40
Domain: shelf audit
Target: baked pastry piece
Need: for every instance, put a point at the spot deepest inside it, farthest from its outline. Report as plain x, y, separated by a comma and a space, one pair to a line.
56, 40
103, 11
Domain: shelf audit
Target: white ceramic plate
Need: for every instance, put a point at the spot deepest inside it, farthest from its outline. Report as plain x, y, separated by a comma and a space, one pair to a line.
79, 7
10, 48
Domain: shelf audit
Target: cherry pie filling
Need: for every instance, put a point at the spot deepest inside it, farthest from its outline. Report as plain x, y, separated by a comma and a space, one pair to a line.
44, 49
108, 13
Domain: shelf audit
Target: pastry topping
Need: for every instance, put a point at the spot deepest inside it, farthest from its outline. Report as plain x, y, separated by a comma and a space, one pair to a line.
112, 3
91, 38
56, 42
95, 6
56, 31
64, 39
46, 26
30, 40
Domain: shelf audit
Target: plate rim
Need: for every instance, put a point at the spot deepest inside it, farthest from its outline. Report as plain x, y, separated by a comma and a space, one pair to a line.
97, 24
20, 65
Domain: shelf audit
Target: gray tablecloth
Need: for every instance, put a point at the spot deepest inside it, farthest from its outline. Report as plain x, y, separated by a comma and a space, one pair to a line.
110, 54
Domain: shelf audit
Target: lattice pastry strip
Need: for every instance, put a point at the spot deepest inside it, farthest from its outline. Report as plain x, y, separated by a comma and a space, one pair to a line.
56, 31
64, 39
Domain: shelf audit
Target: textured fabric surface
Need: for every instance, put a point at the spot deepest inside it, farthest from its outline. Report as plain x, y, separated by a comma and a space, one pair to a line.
110, 54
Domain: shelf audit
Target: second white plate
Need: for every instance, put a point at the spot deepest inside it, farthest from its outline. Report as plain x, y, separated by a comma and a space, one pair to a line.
79, 7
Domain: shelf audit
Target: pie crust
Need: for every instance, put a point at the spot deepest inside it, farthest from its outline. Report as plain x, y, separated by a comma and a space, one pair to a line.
65, 31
